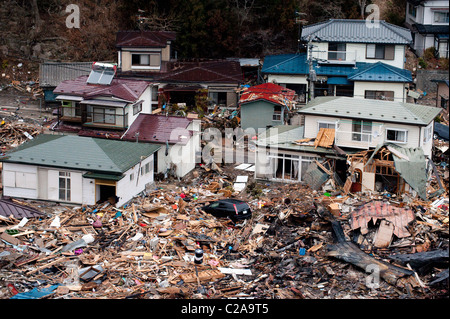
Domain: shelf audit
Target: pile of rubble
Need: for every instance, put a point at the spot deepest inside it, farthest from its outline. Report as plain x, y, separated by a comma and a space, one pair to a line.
299, 243
15, 132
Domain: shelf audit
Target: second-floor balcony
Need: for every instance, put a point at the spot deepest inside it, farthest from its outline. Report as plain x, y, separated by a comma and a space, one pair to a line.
357, 139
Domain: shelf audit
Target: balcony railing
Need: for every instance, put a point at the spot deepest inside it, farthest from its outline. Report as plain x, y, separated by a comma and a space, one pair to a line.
341, 57
100, 117
356, 139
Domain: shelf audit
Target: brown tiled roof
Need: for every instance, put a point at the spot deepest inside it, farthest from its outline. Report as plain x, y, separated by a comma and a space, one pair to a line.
8, 208
145, 38
375, 210
216, 71
125, 89
155, 128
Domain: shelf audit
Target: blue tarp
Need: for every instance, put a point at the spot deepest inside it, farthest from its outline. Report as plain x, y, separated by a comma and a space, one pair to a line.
441, 131
36, 293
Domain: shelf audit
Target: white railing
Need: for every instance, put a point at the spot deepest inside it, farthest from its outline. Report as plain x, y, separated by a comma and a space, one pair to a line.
357, 140
344, 57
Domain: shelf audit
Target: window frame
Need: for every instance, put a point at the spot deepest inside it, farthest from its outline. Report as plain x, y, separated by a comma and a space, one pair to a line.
377, 49
340, 55
327, 123
396, 140
64, 193
437, 13
362, 133
137, 108
428, 133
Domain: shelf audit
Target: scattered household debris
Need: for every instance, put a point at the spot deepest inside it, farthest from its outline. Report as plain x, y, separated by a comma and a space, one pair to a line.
298, 243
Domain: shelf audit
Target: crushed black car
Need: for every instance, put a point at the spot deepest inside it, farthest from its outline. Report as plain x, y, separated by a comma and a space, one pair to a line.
231, 208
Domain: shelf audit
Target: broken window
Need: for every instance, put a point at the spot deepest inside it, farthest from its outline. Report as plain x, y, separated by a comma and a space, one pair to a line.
362, 131
289, 167
396, 135
64, 186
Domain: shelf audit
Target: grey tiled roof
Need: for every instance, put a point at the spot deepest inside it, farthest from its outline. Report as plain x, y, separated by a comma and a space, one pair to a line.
376, 110
53, 73
346, 30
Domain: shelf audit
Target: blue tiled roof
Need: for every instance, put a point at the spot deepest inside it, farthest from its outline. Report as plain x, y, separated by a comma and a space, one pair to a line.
381, 72
295, 63
361, 71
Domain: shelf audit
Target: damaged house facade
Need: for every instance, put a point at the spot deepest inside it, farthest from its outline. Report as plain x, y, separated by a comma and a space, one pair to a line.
379, 144
78, 170
403, 128
345, 58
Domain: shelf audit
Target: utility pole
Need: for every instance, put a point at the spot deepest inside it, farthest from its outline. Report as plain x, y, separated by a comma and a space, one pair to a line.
300, 23
312, 73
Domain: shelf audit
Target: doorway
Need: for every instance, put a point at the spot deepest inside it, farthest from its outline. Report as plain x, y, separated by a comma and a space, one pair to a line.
105, 191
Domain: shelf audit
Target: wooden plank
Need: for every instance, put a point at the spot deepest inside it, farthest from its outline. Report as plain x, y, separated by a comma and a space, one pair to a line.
205, 275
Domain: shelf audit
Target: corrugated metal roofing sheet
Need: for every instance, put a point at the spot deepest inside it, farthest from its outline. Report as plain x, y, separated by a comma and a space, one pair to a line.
342, 30
80, 153
158, 129
8, 208
381, 72
53, 73
285, 64
375, 110
125, 89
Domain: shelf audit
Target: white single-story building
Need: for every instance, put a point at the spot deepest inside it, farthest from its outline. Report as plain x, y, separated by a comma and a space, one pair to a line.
78, 170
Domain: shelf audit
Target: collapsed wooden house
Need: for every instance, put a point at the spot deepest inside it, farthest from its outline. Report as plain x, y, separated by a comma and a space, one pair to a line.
389, 168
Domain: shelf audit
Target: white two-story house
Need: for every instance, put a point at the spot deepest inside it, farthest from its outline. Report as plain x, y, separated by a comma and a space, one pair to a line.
429, 23
346, 58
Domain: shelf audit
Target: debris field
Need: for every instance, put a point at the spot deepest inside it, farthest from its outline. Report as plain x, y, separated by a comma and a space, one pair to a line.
299, 243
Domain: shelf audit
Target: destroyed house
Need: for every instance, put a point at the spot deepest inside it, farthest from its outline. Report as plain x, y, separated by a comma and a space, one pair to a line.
265, 105
102, 101
364, 124
178, 136
389, 168
147, 55
78, 170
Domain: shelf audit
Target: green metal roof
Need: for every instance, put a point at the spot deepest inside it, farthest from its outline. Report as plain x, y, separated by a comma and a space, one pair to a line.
82, 153
375, 110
